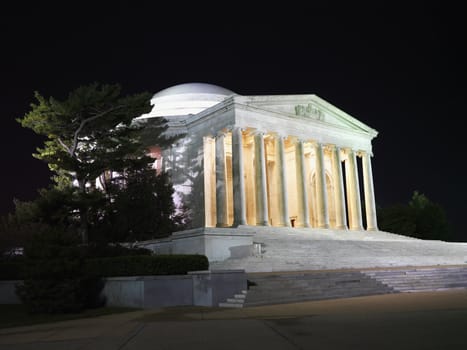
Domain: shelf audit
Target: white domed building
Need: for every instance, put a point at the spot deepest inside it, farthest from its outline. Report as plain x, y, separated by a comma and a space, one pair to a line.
253, 161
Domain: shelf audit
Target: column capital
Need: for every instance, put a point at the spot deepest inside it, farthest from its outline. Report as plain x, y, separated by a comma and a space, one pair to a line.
360, 153
220, 133
365, 153
330, 147
349, 150
257, 132
281, 136
296, 140
318, 145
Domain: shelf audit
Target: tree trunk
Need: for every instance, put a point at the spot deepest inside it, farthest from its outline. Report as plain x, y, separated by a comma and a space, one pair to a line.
83, 214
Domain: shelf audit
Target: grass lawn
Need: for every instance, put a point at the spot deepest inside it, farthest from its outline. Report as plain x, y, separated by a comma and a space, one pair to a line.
16, 315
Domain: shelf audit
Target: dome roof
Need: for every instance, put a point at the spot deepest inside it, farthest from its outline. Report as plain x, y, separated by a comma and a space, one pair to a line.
189, 98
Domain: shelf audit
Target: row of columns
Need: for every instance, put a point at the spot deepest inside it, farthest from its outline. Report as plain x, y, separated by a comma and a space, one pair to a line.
261, 195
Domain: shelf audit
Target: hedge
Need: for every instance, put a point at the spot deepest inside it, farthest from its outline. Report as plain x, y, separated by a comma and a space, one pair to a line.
143, 265
135, 265
92, 251
11, 271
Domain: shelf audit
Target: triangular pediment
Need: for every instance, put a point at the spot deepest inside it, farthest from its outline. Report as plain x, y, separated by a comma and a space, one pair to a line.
309, 108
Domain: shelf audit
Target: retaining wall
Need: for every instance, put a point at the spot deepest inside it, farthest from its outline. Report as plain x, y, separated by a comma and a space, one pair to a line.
200, 288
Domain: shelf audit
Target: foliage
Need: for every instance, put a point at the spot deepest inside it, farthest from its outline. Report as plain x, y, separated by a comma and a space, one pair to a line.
13, 236
53, 208
55, 277
12, 267
142, 265
89, 132
420, 218
111, 250
10, 270
98, 152
142, 210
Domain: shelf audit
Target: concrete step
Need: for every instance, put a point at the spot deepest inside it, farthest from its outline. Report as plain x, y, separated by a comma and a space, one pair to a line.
424, 283
319, 286
308, 294
240, 296
232, 305
429, 286
409, 290
296, 287
296, 299
421, 275
422, 279
235, 300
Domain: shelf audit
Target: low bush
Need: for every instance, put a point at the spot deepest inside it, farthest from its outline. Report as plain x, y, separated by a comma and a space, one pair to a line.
11, 270
112, 250
146, 265
55, 278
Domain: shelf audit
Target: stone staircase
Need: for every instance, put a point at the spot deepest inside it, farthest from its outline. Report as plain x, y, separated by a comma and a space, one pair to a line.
237, 301
291, 287
280, 288
423, 279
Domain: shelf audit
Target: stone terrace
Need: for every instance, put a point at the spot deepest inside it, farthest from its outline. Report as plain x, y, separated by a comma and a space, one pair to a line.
295, 249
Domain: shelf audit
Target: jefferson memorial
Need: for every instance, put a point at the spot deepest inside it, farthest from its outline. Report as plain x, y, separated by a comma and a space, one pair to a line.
246, 163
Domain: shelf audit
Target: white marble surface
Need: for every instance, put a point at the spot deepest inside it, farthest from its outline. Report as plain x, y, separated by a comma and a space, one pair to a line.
290, 249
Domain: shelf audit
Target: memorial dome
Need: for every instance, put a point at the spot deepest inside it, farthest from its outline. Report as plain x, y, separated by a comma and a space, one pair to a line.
189, 98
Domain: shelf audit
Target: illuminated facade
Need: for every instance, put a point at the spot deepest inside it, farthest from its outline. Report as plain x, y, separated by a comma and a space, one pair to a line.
270, 160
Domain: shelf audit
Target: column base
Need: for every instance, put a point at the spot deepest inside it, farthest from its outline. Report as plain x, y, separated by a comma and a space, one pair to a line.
358, 228
324, 226
372, 229
222, 225
265, 223
241, 223
341, 228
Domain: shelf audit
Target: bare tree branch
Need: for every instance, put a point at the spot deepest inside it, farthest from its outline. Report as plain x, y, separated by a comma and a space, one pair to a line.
74, 145
64, 145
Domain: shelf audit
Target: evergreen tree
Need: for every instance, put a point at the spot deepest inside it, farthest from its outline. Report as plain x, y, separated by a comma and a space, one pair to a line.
92, 134
420, 218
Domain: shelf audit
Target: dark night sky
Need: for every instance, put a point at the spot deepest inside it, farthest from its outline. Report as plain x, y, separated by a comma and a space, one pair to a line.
401, 70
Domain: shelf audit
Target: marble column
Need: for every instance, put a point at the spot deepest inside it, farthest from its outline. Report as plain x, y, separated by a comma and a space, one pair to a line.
370, 206
341, 217
221, 182
303, 219
282, 173
262, 215
238, 177
353, 191
322, 198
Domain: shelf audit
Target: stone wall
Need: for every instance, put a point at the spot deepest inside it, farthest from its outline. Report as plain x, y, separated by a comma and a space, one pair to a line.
200, 288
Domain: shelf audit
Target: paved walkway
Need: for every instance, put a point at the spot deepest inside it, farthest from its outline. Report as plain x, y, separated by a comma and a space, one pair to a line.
395, 321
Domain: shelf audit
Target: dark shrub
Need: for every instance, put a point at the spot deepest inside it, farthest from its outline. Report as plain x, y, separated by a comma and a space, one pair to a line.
55, 278
94, 250
147, 265
11, 270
